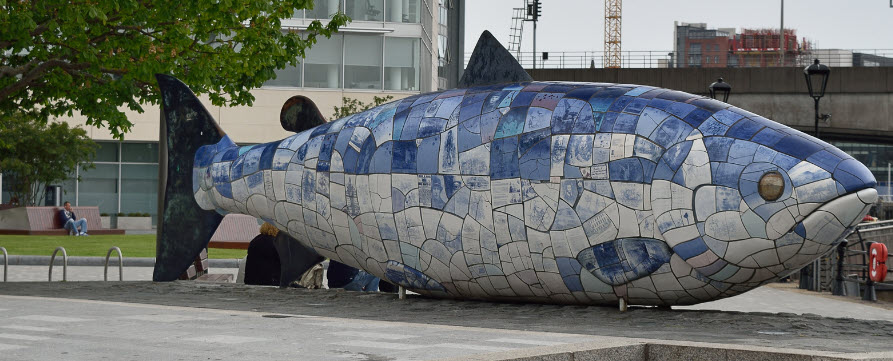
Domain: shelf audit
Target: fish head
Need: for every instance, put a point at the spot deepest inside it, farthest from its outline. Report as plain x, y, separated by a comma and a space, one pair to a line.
744, 200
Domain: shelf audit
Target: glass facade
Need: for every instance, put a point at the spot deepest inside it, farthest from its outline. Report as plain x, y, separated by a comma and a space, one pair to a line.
392, 11
125, 180
370, 61
348, 60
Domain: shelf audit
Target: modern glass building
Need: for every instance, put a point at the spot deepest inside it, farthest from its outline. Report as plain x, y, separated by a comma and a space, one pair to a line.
391, 47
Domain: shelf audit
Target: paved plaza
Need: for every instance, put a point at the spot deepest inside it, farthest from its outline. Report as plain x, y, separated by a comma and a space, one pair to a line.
86, 318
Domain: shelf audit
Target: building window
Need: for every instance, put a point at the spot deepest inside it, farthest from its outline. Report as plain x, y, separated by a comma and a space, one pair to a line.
442, 55
401, 63
323, 9
402, 11
362, 57
322, 68
444, 12
127, 186
365, 10
288, 77
139, 188
99, 187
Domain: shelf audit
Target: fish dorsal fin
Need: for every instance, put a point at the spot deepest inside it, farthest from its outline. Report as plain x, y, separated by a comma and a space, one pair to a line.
299, 113
491, 63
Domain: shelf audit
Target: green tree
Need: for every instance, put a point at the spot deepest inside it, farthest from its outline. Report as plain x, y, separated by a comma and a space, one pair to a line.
352, 106
35, 154
94, 57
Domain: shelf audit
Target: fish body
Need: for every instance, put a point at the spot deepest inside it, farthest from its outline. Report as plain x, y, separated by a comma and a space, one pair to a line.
555, 192
549, 192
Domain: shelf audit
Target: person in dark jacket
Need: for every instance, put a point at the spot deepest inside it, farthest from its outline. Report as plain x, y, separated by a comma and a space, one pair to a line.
343, 276
75, 226
262, 265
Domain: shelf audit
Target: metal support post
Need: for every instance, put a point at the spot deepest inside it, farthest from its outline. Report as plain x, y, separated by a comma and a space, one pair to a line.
838, 289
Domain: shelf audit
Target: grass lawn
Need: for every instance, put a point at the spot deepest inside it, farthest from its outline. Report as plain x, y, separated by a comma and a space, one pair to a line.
137, 245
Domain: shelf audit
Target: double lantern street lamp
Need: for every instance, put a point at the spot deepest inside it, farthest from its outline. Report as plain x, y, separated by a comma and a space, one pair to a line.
720, 88
817, 81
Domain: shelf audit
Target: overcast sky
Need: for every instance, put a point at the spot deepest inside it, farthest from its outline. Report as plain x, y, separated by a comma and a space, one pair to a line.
578, 25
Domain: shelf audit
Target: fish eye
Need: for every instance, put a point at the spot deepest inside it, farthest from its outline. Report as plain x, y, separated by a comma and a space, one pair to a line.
771, 186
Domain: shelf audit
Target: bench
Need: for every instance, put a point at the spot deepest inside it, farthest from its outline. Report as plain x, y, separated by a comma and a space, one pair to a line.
235, 232
44, 221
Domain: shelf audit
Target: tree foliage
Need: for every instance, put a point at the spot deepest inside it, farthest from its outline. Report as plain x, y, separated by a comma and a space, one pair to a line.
94, 57
352, 106
35, 154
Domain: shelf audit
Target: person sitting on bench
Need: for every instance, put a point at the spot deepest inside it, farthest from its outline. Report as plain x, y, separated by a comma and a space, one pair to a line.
75, 226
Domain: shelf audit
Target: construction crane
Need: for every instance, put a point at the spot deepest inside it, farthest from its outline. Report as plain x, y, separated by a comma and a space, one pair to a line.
613, 8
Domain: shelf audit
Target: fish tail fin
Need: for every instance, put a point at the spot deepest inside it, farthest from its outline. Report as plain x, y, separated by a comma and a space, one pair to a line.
185, 228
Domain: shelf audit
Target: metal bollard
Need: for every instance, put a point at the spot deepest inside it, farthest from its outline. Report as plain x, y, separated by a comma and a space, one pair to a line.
105, 276
64, 264
870, 294
838, 289
5, 263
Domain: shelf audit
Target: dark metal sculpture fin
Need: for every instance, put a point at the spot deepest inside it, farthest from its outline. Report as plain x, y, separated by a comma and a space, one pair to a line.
294, 258
184, 228
491, 63
299, 113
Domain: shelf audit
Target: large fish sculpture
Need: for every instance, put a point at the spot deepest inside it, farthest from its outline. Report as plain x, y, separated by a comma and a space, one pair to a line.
509, 189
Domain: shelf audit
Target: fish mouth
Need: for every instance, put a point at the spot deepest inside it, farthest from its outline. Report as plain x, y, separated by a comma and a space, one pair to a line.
824, 228
834, 220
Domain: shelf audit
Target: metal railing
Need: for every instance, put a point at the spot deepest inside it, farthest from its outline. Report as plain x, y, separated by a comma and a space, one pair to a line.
704, 59
64, 264
850, 261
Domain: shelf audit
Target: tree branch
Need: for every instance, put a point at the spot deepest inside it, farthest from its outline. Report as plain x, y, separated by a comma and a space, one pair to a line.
30, 75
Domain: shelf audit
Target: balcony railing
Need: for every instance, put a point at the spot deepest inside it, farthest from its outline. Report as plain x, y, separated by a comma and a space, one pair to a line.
707, 59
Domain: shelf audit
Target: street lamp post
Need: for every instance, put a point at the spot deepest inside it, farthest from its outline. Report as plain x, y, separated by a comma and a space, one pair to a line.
816, 74
721, 88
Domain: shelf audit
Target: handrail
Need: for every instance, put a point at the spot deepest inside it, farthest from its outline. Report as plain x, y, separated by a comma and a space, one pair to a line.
5, 263
105, 276
64, 264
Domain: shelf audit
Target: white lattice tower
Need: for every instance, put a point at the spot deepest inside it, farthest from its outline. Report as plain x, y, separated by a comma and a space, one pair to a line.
517, 30
613, 9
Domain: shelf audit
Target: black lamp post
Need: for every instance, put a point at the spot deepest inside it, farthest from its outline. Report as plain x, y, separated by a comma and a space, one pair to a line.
719, 87
817, 80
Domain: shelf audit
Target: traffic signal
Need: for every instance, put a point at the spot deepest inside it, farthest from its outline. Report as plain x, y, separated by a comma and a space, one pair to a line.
535, 9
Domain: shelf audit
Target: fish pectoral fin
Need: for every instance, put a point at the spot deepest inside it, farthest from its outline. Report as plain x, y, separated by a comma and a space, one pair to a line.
299, 113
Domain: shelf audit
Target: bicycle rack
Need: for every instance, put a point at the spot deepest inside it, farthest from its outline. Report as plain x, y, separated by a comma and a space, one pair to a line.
5, 263
64, 263
105, 276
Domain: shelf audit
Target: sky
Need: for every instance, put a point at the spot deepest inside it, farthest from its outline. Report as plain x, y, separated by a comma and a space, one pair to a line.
578, 25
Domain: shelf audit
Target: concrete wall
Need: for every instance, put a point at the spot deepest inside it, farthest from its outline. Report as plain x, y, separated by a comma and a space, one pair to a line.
258, 123
859, 99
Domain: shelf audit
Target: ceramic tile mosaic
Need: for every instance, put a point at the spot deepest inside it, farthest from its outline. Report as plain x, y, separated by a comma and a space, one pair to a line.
550, 192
